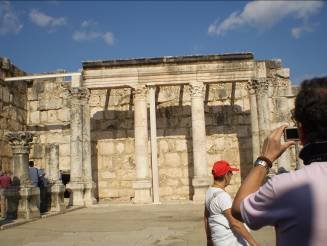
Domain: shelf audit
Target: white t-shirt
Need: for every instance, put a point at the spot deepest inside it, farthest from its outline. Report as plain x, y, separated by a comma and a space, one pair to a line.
217, 201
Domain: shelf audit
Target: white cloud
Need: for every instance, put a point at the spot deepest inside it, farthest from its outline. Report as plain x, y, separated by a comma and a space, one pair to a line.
107, 37
9, 22
43, 20
88, 23
265, 14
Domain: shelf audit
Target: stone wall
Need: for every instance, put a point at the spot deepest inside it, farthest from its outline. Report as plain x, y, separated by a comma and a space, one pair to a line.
12, 108
228, 137
43, 106
228, 130
49, 118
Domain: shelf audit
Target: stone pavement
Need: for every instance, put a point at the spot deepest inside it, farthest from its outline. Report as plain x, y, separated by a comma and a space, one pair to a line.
123, 224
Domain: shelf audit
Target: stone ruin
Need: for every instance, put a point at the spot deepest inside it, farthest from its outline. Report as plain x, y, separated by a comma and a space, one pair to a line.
145, 130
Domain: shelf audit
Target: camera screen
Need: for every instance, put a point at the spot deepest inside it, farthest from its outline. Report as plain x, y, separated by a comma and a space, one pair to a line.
291, 133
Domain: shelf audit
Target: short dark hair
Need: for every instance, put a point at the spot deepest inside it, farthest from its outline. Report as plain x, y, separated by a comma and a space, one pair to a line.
31, 163
311, 109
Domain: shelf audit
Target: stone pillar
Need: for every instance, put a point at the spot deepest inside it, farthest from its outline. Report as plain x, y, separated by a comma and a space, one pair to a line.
154, 149
142, 184
252, 88
76, 184
22, 196
89, 184
56, 187
283, 117
200, 180
263, 109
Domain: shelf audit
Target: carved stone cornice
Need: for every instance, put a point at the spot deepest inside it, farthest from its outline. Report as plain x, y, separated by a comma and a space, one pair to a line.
197, 89
140, 92
19, 141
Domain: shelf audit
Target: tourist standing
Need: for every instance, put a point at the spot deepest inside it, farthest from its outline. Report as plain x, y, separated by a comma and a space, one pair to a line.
295, 202
221, 227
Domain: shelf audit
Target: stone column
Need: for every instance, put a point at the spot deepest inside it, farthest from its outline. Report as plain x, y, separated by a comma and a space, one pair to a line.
200, 180
142, 184
22, 196
283, 117
252, 88
263, 109
89, 184
154, 149
57, 188
76, 184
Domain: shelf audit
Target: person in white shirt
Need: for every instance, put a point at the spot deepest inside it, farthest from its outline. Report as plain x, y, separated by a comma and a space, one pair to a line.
221, 227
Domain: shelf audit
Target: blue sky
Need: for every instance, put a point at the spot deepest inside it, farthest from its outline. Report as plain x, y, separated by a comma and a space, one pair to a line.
44, 36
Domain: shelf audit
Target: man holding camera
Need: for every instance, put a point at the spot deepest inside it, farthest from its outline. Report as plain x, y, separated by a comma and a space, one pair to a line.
295, 202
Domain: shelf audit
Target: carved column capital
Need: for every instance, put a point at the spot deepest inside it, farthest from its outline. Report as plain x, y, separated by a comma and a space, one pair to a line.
258, 85
252, 86
79, 93
19, 141
197, 89
140, 92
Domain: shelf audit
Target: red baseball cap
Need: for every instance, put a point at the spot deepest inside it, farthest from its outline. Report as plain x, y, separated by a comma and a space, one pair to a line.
220, 168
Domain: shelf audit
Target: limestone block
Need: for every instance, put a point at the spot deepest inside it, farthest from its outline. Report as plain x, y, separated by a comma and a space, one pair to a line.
172, 182
126, 174
126, 184
94, 100
5, 95
120, 147
174, 172
172, 159
108, 175
44, 116
112, 183
185, 181
63, 114
166, 190
112, 193
105, 162
182, 190
102, 184
181, 145
52, 116
33, 105
106, 148
163, 146
55, 138
127, 193
129, 147
64, 163
64, 149
50, 104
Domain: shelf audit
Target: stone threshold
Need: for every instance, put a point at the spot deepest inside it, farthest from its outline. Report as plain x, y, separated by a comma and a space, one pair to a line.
13, 223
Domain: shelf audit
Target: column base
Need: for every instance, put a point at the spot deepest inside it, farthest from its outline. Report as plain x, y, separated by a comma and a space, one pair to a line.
77, 191
200, 186
22, 202
142, 190
89, 198
57, 197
